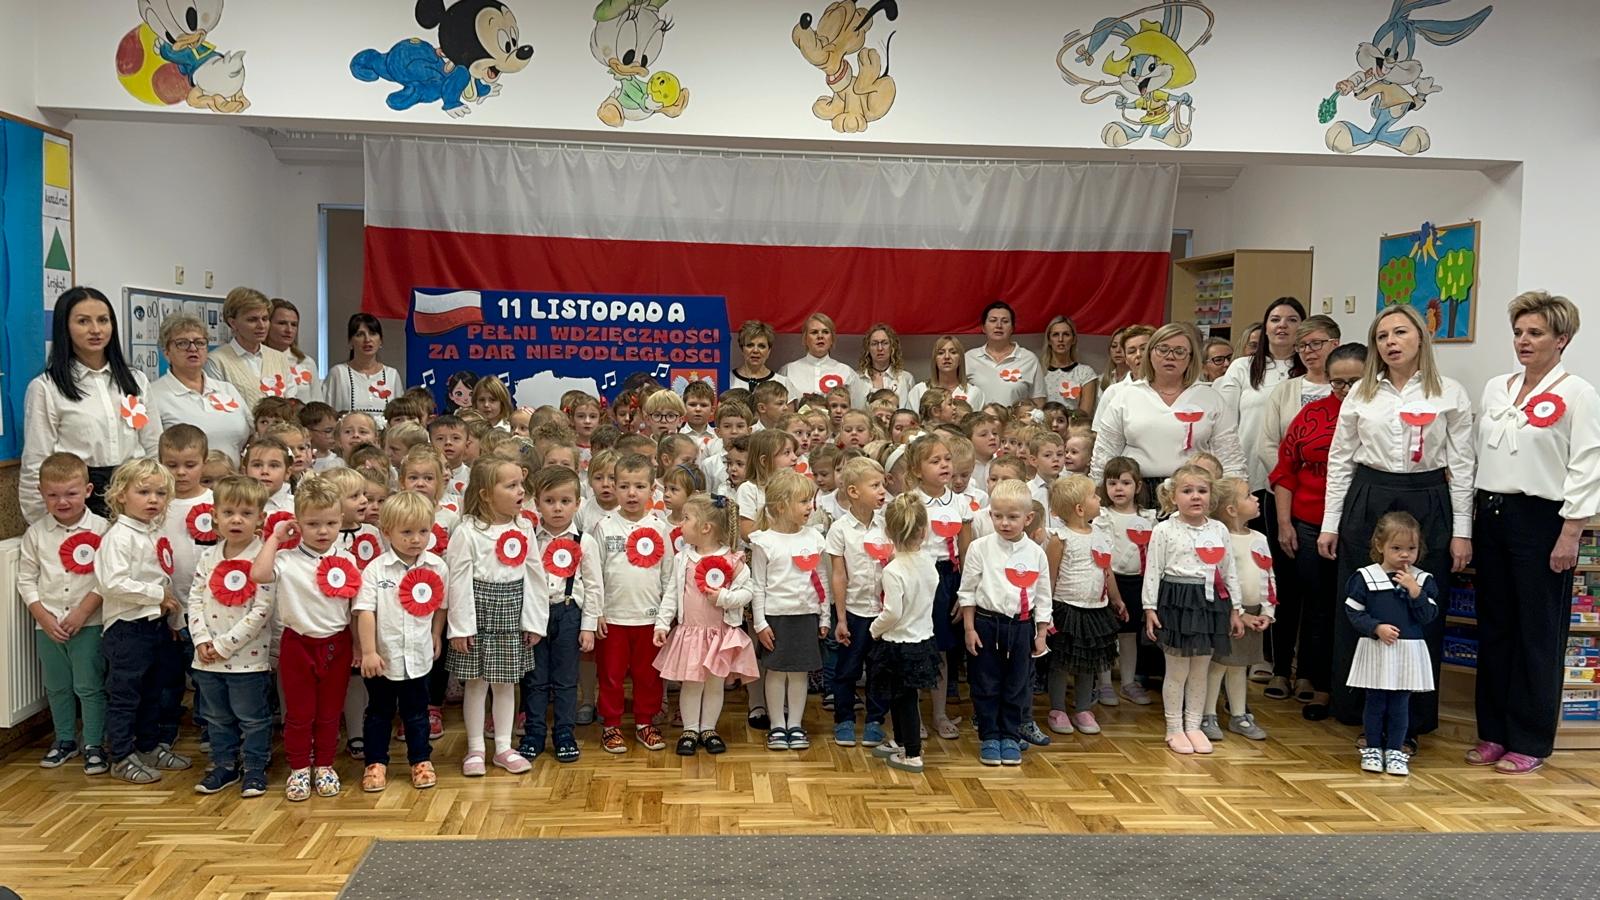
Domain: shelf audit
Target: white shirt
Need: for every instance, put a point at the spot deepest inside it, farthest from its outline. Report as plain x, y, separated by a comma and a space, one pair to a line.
472, 556
848, 540
405, 641
590, 514
97, 429
1370, 433
732, 599
735, 380
968, 392
751, 498
1139, 425
1065, 385
706, 443
131, 582
282, 500
302, 606
455, 484
1016, 378
818, 375
897, 380
1247, 403
782, 588
41, 575
239, 634
1079, 581
186, 547
1556, 460
1105, 397
985, 583
1252, 561
308, 386
347, 390
945, 511
215, 409
1119, 528
364, 543
587, 582
632, 594
909, 583
1175, 549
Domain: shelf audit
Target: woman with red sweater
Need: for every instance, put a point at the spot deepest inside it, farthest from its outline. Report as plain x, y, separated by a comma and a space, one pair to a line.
1299, 482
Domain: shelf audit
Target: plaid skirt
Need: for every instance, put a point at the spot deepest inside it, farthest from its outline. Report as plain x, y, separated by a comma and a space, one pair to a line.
498, 654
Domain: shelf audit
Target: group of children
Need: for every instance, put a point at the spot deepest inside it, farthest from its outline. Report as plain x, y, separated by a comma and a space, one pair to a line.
343, 574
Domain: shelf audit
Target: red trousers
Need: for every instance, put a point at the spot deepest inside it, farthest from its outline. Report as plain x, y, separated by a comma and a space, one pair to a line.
628, 650
314, 673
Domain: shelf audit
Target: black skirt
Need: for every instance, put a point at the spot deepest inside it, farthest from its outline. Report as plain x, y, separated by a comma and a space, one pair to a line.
946, 634
1085, 640
1191, 625
795, 645
894, 667
1131, 587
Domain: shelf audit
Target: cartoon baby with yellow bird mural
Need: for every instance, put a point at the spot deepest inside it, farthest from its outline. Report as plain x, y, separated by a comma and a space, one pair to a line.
627, 38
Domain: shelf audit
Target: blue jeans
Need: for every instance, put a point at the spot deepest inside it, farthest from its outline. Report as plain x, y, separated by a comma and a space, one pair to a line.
554, 679
1001, 676
238, 713
848, 663
133, 687
1385, 717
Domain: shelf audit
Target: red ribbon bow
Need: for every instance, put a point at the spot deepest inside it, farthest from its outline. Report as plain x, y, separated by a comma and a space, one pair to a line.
271, 525
808, 563
511, 548
1141, 539
440, 541
1419, 419
828, 382
644, 548
562, 556
1263, 561
231, 584
365, 548
133, 412
713, 573
421, 592
202, 524
948, 529
164, 557
1022, 578
1544, 410
77, 552
338, 578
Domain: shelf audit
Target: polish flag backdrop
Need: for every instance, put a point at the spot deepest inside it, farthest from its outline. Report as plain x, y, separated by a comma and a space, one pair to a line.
922, 245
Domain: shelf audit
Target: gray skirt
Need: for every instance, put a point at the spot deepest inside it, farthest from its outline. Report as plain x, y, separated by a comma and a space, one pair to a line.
498, 654
795, 645
1248, 650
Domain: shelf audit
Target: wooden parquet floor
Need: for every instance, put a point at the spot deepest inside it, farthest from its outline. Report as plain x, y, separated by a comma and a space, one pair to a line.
64, 836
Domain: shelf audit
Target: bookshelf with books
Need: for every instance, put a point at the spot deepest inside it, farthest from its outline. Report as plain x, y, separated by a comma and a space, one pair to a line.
1223, 292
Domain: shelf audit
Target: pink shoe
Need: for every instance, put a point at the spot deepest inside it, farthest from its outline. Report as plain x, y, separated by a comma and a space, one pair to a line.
1085, 722
1518, 764
1487, 753
1178, 742
472, 765
1199, 741
1059, 722
512, 762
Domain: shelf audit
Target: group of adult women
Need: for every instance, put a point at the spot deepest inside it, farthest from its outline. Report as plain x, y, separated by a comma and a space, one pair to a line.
90, 402
1332, 436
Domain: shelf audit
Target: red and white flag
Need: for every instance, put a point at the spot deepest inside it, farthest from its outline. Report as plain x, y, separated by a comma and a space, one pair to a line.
439, 313
922, 245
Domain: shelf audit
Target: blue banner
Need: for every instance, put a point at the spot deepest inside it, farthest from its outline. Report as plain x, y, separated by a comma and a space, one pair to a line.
543, 344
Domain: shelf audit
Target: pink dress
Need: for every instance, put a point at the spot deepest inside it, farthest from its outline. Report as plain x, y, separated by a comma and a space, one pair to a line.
701, 643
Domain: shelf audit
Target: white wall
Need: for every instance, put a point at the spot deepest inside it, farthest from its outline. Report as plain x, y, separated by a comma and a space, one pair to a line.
299, 190
1341, 212
17, 63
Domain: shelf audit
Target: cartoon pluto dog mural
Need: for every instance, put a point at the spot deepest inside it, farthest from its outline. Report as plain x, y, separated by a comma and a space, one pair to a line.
859, 94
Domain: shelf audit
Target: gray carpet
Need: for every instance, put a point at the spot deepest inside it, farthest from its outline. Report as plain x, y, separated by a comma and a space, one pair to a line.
1459, 866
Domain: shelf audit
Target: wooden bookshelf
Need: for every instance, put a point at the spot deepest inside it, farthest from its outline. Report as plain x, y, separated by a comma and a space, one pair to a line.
1258, 278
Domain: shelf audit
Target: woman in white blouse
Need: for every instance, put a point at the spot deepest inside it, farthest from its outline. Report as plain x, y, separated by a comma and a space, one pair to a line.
364, 383
882, 366
283, 335
817, 372
1538, 484
88, 401
1066, 381
246, 361
1403, 443
1003, 369
948, 372
1134, 340
1168, 416
186, 395
1250, 379
755, 344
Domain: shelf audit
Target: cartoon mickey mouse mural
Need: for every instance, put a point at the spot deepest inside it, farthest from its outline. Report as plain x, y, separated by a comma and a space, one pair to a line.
479, 41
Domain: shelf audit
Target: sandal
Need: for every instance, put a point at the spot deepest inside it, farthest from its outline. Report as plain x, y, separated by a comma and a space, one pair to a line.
947, 729
1277, 688
1518, 764
1487, 753
1317, 709
1304, 691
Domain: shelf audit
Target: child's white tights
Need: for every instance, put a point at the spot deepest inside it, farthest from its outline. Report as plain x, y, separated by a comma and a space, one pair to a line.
474, 696
1183, 691
786, 698
1236, 680
701, 704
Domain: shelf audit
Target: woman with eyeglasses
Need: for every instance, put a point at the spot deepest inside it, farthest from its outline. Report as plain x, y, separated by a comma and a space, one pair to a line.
1168, 415
1538, 485
1299, 483
882, 366
187, 394
1218, 356
1314, 340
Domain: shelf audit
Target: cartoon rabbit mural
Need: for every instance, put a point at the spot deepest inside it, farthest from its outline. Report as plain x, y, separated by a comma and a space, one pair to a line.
1391, 77
1145, 77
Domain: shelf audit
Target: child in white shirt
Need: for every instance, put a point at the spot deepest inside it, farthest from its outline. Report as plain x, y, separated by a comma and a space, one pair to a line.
905, 659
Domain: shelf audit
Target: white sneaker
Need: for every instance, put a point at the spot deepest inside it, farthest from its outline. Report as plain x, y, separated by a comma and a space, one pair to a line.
1371, 760
1396, 762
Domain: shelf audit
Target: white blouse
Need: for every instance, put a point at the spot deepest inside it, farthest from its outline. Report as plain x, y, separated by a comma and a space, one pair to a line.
897, 380
1065, 385
848, 540
128, 572
1252, 560
969, 392
1161, 438
1175, 551
1400, 430
989, 577
105, 428
948, 512
1549, 447
405, 641
783, 587
302, 606
814, 375
1080, 581
347, 390
215, 409
1126, 559
909, 583
472, 555
1246, 404
1101, 401
1010, 381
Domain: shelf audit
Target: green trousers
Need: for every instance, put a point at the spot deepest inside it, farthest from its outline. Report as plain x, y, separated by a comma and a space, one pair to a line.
75, 673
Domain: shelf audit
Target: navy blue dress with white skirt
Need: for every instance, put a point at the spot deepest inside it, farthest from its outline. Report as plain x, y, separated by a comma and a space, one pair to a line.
1372, 598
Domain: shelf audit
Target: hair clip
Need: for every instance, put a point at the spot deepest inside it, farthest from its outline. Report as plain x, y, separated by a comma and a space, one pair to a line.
719, 501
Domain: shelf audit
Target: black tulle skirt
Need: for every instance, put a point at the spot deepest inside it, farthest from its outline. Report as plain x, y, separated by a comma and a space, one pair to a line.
1085, 640
1191, 625
894, 666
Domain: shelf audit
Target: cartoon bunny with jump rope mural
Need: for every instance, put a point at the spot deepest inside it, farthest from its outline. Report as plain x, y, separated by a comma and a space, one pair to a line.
1148, 74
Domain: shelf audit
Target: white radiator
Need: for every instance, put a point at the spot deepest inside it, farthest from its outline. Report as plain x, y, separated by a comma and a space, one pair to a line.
21, 679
